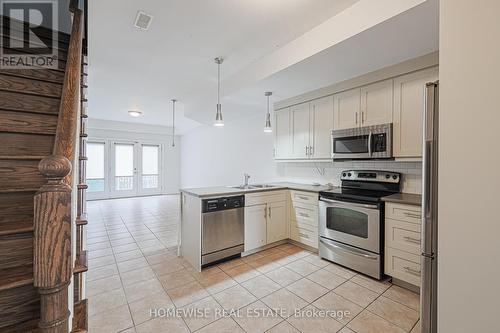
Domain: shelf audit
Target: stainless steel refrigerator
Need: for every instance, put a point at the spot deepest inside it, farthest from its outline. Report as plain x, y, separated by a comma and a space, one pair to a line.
428, 290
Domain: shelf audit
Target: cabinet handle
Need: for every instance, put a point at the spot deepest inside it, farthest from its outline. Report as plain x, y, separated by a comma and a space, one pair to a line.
304, 235
412, 240
269, 212
413, 215
303, 214
302, 197
274, 152
307, 151
265, 212
311, 150
411, 271
356, 118
362, 117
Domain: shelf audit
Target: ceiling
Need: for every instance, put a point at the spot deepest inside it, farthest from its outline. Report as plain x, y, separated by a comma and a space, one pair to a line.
133, 69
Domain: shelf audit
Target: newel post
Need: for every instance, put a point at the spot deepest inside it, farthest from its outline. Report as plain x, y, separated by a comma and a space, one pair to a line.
52, 248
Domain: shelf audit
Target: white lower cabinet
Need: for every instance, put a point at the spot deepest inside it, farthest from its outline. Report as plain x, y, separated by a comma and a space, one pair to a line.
276, 222
402, 242
265, 219
255, 226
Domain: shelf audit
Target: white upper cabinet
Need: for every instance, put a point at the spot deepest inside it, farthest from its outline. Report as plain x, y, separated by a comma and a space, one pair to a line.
282, 137
408, 108
346, 106
277, 222
376, 103
300, 130
321, 124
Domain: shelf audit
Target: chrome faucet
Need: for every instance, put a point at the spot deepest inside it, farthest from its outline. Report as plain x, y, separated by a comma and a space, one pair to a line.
247, 177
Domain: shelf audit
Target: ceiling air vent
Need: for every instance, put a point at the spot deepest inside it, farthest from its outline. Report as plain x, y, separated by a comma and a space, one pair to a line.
143, 20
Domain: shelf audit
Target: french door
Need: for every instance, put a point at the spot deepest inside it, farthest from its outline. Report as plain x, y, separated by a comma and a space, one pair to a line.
123, 169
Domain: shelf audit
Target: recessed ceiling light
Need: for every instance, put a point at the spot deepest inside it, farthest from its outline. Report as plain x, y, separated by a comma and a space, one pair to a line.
135, 113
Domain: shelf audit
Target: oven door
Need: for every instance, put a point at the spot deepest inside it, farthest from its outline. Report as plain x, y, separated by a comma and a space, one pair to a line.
354, 224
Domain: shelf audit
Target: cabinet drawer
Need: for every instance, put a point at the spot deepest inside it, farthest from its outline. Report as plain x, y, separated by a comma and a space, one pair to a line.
304, 236
406, 213
260, 198
301, 224
305, 197
305, 213
402, 236
402, 265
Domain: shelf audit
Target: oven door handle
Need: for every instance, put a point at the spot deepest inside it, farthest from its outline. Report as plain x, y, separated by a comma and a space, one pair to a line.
359, 254
349, 203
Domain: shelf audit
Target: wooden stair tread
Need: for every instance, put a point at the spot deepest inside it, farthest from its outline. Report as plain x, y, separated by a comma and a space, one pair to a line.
19, 190
36, 74
16, 227
81, 263
22, 157
15, 277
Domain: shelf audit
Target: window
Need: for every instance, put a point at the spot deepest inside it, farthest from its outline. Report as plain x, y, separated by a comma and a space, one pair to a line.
124, 167
95, 166
150, 166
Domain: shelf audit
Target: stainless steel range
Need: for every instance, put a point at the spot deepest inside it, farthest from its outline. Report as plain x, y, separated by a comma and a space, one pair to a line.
351, 220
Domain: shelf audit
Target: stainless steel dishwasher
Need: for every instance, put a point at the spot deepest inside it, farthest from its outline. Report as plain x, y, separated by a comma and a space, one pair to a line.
222, 228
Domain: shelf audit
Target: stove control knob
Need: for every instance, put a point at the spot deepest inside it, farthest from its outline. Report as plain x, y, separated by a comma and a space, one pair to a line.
394, 177
344, 174
387, 176
349, 174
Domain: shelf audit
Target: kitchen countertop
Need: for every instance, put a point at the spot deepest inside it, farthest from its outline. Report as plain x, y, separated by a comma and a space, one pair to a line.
404, 198
204, 192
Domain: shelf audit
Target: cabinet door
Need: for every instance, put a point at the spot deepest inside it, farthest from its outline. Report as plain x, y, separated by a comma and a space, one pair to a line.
321, 127
300, 130
376, 103
409, 104
255, 226
282, 143
276, 222
346, 107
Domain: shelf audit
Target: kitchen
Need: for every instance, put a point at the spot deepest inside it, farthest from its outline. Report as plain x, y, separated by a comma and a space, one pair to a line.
380, 121
307, 184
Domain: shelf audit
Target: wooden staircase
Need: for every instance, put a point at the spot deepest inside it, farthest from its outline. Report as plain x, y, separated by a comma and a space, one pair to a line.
38, 134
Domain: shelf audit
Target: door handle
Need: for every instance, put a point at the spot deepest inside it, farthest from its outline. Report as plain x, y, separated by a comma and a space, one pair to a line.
412, 240
412, 271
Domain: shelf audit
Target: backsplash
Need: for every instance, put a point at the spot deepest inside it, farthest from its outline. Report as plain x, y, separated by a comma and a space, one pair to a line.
329, 172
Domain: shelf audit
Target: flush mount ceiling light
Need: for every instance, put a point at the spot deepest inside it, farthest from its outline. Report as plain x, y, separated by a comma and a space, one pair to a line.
143, 20
173, 122
135, 113
268, 128
219, 122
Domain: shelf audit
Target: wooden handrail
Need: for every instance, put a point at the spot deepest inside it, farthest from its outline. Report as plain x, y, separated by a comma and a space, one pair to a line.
53, 264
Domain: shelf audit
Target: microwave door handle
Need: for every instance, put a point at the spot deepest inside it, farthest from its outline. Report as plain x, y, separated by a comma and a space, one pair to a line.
370, 144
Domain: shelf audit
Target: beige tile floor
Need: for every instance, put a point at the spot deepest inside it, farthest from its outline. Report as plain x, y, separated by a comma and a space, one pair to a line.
134, 268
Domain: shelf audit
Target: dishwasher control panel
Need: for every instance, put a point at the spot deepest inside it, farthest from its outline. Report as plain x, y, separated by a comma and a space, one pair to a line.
216, 204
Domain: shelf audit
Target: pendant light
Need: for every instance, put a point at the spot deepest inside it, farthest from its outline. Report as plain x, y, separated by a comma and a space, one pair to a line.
173, 122
219, 122
268, 128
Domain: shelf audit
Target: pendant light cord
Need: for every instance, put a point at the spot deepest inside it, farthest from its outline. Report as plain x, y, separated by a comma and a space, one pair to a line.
173, 122
218, 82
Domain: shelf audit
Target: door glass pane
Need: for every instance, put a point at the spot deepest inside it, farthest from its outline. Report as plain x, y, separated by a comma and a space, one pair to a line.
124, 167
353, 144
150, 166
348, 221
95, 167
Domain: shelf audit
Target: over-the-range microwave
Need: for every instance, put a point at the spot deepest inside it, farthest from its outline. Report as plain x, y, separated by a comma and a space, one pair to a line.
369, 142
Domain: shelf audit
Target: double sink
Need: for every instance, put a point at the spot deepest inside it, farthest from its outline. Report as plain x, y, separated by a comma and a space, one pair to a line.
253, 187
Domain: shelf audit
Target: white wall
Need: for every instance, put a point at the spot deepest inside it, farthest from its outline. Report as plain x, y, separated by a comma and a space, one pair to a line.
219, 156
105, 129
469, 215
